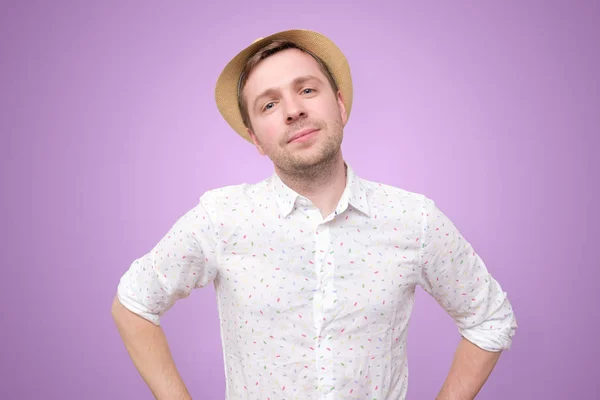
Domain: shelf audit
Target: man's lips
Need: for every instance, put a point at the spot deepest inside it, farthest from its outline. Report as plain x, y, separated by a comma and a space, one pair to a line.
302, 133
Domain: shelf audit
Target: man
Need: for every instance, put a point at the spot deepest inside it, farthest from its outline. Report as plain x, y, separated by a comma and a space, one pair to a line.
314, 268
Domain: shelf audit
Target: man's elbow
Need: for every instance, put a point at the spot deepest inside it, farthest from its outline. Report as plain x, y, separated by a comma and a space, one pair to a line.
494, 336
129, 312
116, 308
118, 311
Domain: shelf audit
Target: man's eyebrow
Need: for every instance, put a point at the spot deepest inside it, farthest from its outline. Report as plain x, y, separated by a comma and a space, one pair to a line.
306, 78
298, 81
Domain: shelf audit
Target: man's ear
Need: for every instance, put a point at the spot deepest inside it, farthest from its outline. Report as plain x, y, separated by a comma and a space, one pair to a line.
260, 149
342, 107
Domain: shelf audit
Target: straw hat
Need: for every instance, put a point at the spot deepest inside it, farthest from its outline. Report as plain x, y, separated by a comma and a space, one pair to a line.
226, 90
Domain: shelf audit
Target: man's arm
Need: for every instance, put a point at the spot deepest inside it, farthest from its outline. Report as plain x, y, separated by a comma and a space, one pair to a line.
470, 369
183, 260
458, 279
148, 348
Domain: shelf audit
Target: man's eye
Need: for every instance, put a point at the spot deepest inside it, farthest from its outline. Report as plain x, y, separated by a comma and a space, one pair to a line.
308, 91
268, 106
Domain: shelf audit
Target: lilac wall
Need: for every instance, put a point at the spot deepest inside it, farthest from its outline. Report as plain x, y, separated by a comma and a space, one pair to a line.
110, 132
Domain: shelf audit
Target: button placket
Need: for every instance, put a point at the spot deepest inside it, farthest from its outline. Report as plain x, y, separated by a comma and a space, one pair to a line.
325, 273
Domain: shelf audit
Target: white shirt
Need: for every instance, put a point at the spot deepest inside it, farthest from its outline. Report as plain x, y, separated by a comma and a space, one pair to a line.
318, 308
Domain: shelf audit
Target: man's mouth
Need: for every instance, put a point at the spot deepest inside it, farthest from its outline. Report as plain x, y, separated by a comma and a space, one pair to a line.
303, 134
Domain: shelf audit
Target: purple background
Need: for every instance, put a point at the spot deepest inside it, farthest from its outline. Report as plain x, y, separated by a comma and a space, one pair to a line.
110, 133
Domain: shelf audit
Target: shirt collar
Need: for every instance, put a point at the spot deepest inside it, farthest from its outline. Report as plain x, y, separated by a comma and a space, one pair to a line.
354, 195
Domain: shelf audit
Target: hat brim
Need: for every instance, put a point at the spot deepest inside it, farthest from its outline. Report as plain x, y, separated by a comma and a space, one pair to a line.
226, 90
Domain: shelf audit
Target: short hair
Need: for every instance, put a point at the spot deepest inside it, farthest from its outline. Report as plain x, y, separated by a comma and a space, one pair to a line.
265, 52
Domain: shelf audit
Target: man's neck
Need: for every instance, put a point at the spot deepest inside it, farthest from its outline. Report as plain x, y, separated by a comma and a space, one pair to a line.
324, 188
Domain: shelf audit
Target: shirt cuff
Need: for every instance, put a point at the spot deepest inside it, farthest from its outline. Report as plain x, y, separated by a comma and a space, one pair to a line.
136, 308
495, 333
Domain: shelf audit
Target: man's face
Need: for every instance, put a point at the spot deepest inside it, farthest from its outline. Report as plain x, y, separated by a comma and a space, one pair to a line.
288, 95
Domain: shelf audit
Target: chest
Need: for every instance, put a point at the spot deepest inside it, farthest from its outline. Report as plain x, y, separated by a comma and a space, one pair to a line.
270, 268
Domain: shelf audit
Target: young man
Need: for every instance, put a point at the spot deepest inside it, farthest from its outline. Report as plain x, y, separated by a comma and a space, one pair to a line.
314, 268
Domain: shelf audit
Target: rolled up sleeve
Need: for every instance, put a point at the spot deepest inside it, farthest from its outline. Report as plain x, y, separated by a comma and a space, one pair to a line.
182, 260
458, 279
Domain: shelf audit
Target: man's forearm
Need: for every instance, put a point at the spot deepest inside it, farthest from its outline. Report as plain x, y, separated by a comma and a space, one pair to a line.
470, 369
148, 348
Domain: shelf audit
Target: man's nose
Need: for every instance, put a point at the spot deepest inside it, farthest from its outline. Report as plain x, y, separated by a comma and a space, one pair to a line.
295, 110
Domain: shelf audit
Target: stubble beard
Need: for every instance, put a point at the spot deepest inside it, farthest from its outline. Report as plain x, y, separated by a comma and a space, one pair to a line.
320, 161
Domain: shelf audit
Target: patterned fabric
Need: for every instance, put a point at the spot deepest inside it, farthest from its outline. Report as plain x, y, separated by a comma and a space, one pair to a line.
313, 307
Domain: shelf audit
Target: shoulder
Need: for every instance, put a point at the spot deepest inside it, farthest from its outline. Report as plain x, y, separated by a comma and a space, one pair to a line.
382, 194
235, 196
